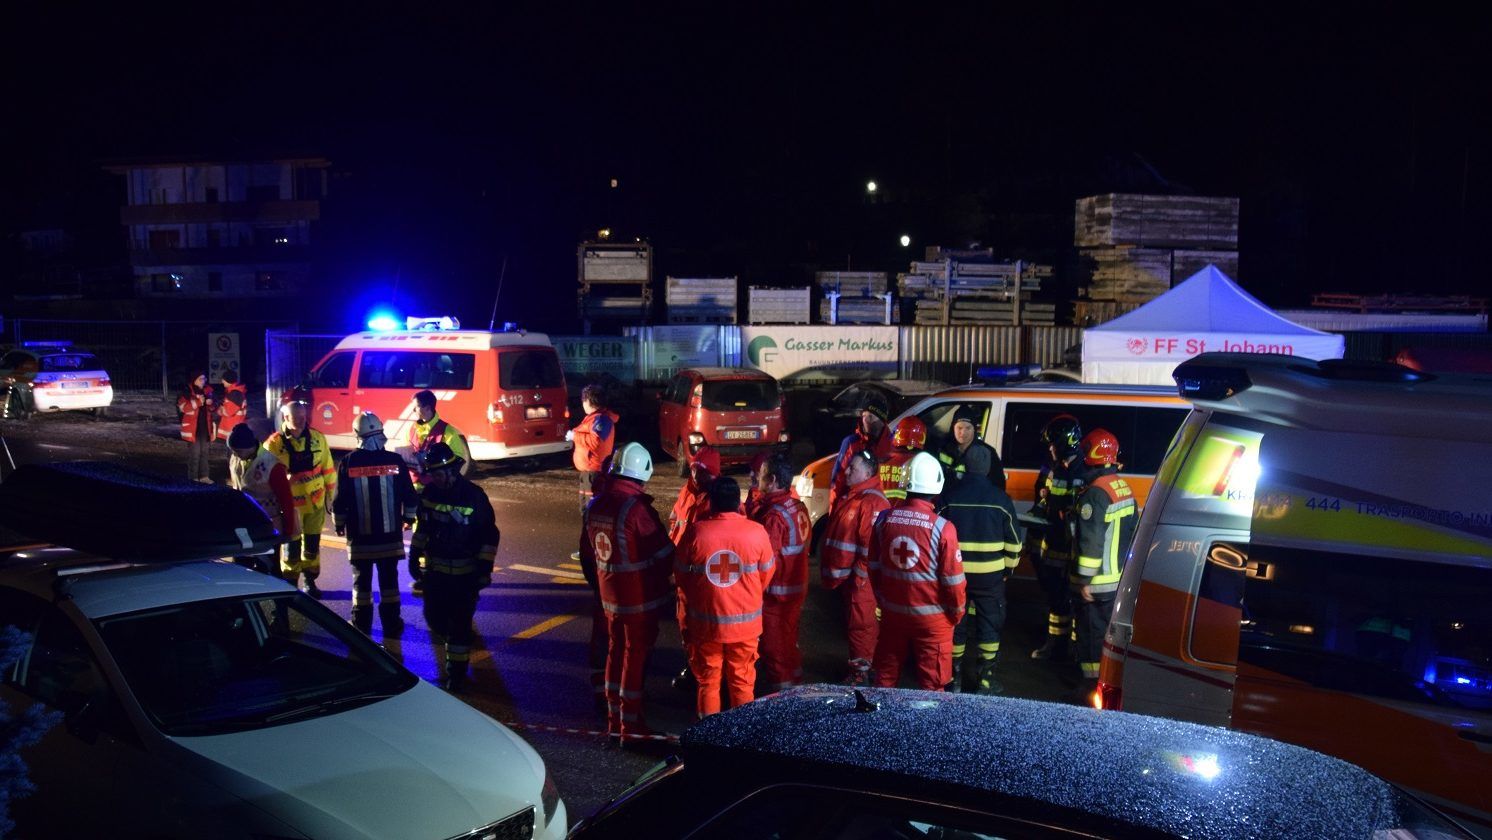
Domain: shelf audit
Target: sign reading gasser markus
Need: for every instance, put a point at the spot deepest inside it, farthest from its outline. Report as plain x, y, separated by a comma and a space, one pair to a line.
833, 353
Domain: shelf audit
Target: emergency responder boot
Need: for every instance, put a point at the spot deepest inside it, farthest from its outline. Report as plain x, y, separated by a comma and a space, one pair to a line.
311, 588
362, 619
988, 685
456, 681
388, 616
1055, 649
957, 685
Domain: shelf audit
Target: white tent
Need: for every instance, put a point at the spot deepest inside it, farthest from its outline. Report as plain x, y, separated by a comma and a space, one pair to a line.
1206, 312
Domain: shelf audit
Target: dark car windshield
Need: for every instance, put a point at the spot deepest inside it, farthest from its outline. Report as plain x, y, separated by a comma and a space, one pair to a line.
235, 664
740, 395
524, 369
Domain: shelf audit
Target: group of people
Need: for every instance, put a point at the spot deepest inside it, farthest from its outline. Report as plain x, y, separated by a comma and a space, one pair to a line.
209, 414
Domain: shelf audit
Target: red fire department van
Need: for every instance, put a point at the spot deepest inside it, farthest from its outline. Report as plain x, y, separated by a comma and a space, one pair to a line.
505, 391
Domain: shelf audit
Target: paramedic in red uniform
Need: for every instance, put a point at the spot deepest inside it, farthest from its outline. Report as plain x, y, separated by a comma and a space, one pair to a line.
633, 557
844, 560
919, 577
594, 439
722, 567
693, 503
870, 433
233, 405
786, 521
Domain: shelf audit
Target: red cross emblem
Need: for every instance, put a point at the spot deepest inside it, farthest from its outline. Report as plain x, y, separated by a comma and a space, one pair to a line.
602, 544
723, 568
904, 552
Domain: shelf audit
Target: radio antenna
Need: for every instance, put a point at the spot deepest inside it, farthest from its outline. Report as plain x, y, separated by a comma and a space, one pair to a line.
492, 322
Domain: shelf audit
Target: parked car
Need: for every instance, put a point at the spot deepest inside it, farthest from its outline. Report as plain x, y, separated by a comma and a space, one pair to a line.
837, 418
43, 376
828, 762
202, 699
737, 411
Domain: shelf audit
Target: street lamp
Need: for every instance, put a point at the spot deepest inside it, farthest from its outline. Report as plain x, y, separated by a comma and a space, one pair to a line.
905, 240
870, 187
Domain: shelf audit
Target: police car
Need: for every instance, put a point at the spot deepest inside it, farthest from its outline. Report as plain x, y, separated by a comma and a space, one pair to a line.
194, 697
52, 376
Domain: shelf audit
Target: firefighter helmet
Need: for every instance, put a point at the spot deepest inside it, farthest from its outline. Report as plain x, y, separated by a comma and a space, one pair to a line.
911, 433
439, 456
299, 395
367, 425
1063, 433
633, 462
924, 475
1100, 448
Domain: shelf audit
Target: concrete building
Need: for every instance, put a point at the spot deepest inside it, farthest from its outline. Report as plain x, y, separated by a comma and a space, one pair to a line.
233, 229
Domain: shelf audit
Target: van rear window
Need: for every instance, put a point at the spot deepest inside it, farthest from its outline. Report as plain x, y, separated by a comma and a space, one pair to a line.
416, 369
69, 361
1144, 432
521, 370
740, 395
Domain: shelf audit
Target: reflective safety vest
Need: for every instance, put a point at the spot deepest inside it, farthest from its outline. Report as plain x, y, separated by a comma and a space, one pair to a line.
915, 564
308, 460
844, 553
722, 566
1057, 487
455, 531
631, 551
264, 479
895, 475
1105, 528
232, 409
423, 435
374, 498
595, 438
193, 405
984, 518
786, 520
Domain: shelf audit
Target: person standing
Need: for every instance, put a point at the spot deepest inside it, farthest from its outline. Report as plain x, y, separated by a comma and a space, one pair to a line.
375, 503
908, 440
594, 439
453, 548
1058, 483
918, 575
1105, 516
983, 516
954, 454
198, 410
785, 518
431, 429
722, 566
692, 504
233, 404
258, 474
313, 481
844, 560
632, 554
870, 434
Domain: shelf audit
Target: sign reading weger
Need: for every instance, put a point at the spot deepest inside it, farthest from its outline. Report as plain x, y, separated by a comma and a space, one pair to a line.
796, 352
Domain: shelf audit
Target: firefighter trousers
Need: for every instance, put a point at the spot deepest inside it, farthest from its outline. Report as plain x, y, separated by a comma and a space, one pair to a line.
862, 628
984, 619
735, 662
1054, 585
926, 640
781, 660
1092, 624
629, 640
450, 606
363, 571
303, 556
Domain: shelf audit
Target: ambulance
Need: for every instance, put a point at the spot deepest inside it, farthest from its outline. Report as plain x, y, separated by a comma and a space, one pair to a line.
504, 391
1315, 565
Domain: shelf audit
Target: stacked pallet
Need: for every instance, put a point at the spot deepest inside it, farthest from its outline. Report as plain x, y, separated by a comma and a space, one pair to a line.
615, 281
778, 306
852, 283
1090, 313
846, 309
975, 289
701, 300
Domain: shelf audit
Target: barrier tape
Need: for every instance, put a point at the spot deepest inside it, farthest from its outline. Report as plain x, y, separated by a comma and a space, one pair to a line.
570, 730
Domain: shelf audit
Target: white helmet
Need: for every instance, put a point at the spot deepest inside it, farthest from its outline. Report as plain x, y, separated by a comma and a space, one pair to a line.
633, 462
924, 475
366, 425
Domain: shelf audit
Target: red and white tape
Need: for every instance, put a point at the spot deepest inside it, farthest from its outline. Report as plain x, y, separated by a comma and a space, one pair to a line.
570, 730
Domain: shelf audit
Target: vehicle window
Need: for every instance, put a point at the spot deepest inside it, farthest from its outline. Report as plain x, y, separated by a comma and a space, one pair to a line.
678, 389
1144, 432
21, 611
60, 671
519, 370
938, 418
739, 395
69, 361
14, 359
849, 398
1383, 627
335, 372
415, 369
236, 664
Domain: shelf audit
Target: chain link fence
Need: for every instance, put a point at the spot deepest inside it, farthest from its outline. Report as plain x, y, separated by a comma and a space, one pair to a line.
288, 358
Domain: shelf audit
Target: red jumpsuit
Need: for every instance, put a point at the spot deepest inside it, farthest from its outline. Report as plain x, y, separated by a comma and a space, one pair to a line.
595, 439
786, 521
722, 567
692, 504
626, 542
844, 565
918, 574
894, 474
839, 482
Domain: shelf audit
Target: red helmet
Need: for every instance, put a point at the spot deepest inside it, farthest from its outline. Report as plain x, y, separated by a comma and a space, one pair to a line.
911, 433
1100, 448
298, 394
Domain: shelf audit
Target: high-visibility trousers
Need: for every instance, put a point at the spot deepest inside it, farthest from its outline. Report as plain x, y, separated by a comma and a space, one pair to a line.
304, 554
861, 626
630, 640
926, 640
734, 663
984, 619
781, 660
1058, 592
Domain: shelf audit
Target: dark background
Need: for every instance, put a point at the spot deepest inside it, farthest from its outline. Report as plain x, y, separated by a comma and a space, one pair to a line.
462, 135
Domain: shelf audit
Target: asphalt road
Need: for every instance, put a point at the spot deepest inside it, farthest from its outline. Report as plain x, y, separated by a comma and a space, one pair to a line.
529, 669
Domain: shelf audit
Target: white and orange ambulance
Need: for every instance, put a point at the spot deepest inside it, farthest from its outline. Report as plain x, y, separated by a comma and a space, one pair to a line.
1315, 565
505, 391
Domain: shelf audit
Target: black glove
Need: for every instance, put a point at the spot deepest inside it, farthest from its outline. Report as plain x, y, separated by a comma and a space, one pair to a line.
415, 572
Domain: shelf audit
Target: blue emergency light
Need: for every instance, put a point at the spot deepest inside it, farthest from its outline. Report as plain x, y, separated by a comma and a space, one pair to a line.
61, 345
383, 322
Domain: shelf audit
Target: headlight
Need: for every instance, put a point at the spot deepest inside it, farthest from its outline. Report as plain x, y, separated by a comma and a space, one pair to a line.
549, 798
696, 439
782, 437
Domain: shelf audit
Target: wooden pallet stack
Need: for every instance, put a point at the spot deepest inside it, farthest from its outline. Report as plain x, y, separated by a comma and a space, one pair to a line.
701, 300
615, 282
778, 306
852, 297
975, 289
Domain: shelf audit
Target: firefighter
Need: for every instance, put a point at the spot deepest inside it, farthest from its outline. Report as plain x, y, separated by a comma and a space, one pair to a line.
1105, 517
232, 405
313, 482
633, 557
257, 473
692, 504
954, 454
787, 524
844, 560
452, 551
918, 577
375, 503
909, 439
429, 430
984, 518
198, 408
722, 567
870, 433
594, 439
1058, 483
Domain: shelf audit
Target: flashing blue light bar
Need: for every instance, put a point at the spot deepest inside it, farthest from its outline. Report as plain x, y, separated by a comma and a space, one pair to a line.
1006, 373
59, 344
383, 322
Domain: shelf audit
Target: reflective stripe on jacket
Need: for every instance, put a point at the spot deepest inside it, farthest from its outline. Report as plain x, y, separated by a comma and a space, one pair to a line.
264, 479
895, 475
374, 497
844, 552
786, 520
915, 564
308, 459
193, 404
984, 518
722, 567
1105, 528
455, 531
1058, 484
625, 540
423, 435
595, 438
232, 409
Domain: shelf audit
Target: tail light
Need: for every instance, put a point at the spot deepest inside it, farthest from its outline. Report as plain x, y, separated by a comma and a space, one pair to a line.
41, 385
103, 382
1108, 697
567, 413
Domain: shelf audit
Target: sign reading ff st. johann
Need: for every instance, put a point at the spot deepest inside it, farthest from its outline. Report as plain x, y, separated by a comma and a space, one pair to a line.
822, 353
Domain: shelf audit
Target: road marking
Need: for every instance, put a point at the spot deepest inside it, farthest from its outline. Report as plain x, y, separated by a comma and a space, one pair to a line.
574, 566
539, 570
544, 626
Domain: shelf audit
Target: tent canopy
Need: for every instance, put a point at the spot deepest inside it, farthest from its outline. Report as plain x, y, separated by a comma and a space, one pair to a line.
1206, 312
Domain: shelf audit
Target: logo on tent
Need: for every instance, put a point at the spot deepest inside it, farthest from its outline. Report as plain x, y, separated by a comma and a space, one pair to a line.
1137, 346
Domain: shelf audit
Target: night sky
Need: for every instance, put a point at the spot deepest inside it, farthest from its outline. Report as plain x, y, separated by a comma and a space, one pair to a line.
1357, 136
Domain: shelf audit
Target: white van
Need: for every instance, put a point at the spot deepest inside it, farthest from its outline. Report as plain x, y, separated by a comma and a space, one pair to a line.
1315, 565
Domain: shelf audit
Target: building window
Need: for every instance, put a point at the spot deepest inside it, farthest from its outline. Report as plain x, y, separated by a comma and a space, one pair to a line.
267, 281
161, 240
165, 283
270, 237
264, 192
212, 195
214, 237
214, 281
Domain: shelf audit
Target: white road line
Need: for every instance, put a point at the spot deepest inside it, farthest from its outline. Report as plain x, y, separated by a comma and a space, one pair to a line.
539, 570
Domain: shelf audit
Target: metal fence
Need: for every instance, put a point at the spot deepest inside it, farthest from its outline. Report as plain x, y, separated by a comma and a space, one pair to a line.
288, 358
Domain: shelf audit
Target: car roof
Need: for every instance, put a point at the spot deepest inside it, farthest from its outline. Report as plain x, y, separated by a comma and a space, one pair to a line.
1068, 389
903, 387
728, 373
1156, 774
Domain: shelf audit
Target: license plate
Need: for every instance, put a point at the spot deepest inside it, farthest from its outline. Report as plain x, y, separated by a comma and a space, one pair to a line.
742, 434
77, 384
536, 412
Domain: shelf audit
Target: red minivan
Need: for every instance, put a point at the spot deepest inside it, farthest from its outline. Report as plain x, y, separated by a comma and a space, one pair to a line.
738, 411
